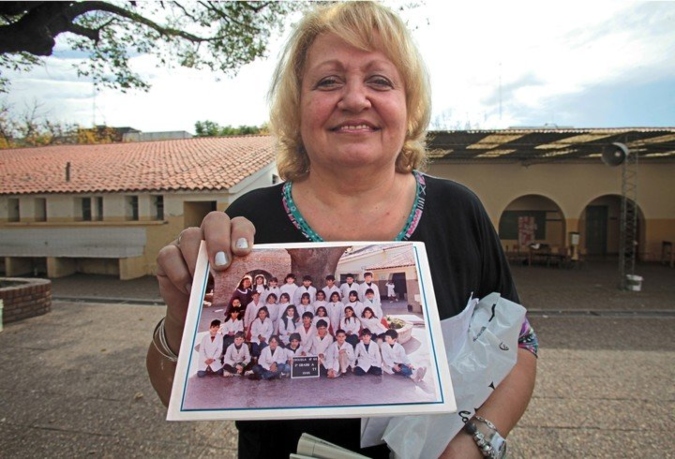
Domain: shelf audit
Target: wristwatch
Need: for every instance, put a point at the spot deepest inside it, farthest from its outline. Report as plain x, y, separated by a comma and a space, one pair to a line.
491, 444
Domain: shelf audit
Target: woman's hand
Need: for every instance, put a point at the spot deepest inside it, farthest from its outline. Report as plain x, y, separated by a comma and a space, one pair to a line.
176, 263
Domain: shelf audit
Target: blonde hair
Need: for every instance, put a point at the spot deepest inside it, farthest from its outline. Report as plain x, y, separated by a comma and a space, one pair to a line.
354, 22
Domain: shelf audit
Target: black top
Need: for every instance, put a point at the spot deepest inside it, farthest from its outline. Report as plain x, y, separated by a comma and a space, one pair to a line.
465, 257
465, 254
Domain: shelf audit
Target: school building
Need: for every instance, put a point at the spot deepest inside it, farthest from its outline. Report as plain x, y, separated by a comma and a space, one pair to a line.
108, 209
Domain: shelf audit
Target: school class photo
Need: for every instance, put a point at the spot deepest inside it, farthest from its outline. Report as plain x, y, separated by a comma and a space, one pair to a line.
332, 327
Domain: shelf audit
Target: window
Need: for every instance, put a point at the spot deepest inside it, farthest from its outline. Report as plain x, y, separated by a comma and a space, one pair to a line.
86, 209
13, 214
158, 207
131, 208
40, 210
98, 206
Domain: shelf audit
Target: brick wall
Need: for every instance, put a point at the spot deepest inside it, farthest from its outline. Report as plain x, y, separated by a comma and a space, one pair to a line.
25, 298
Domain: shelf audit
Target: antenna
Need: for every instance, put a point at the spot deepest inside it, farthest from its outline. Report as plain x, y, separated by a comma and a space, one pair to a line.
93, 103
500, 91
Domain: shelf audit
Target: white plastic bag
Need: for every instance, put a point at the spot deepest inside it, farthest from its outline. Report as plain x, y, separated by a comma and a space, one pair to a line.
482, 347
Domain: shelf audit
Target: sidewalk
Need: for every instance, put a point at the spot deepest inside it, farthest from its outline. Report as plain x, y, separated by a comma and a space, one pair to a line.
73, 382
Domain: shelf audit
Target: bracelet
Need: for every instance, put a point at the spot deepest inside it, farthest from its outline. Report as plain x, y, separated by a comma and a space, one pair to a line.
490, 425
483, 445
163, 348
493, 447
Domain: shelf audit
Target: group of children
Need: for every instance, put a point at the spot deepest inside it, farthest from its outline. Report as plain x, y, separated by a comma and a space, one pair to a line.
280, 323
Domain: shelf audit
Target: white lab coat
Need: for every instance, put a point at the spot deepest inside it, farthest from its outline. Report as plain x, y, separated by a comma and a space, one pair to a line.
234, 356
211, 349
365, 286
392, 355
368, 358
302, 289
264, 328
266, 358
352, 327
335, 349
285, 330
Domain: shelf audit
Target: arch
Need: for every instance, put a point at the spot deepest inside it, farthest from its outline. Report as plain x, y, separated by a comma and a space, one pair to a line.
599, 226
532, 218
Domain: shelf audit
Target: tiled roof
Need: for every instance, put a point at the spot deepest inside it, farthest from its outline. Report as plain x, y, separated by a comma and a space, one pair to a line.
212, 163
398, 260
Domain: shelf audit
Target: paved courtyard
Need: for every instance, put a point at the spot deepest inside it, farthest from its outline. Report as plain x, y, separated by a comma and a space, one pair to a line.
73, 382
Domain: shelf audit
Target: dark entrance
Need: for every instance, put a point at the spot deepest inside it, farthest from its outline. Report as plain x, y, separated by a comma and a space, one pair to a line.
400, 285
596, 230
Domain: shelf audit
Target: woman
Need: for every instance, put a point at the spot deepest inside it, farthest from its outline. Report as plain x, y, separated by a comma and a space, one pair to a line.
350, 106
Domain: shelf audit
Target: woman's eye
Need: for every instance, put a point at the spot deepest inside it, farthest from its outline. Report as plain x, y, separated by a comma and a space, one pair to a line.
381, 82
327, 83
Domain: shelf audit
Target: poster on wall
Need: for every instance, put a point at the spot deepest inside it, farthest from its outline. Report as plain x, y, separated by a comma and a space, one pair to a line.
527, 227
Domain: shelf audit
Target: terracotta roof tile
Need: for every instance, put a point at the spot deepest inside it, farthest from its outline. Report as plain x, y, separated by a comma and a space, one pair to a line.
212, 163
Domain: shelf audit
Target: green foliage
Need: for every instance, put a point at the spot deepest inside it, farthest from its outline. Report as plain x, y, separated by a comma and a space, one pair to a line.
211, 129
219, 36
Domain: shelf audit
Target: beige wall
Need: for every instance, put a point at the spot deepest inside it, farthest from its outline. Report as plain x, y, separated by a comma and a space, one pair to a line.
64, 213
572, 187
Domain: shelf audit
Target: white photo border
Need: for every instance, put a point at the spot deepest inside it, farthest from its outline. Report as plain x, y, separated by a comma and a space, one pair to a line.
444, 393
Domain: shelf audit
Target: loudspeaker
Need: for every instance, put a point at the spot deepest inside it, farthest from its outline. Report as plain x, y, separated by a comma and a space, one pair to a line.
614, 154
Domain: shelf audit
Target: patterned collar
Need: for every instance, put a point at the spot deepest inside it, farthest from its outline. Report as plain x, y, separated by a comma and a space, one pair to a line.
408, 229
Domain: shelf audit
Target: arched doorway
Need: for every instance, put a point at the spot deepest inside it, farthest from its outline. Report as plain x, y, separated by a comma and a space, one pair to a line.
532, 219
600, 224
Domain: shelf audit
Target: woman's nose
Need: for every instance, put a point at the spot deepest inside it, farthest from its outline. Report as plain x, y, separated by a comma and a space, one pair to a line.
354, 97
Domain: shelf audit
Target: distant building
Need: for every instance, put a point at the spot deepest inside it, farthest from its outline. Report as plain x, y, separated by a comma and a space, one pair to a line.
108, 209
152, 136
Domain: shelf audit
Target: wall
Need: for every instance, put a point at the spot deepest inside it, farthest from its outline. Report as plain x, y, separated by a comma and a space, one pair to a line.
29, 298
572, 187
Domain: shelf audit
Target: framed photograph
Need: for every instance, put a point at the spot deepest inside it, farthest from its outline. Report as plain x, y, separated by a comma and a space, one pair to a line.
313, 330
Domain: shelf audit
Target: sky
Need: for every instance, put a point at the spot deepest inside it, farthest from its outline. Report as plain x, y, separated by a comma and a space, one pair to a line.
589, 64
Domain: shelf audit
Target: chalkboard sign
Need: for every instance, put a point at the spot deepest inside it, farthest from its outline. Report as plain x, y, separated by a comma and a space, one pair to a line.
305, 367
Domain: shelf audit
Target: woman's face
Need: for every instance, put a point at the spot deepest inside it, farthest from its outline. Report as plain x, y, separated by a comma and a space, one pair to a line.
352, 106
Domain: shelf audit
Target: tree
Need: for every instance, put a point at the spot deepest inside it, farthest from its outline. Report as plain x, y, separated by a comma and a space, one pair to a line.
212, 129
32, 128
220, 36
317, 263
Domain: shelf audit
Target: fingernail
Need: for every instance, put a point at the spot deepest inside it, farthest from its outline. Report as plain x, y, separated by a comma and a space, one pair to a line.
242, 243
221, 259
188, 287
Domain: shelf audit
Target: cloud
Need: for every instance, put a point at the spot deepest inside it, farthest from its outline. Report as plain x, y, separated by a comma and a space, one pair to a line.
545, 62
539, 54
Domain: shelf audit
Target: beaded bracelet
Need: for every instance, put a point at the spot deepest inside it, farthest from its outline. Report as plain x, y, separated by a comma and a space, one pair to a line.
484, 446
163, 348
